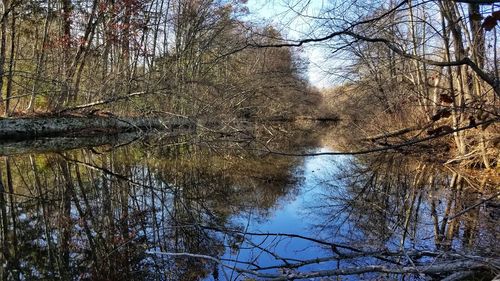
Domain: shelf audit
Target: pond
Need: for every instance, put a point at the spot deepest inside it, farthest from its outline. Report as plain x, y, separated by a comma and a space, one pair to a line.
185, 208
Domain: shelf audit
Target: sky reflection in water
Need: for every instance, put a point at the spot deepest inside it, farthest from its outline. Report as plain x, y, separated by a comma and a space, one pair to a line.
100, 214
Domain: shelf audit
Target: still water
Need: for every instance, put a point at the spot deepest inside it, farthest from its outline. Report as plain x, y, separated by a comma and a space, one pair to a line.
187, 209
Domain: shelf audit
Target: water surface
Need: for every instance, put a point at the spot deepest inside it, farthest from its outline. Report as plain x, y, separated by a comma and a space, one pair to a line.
178, 209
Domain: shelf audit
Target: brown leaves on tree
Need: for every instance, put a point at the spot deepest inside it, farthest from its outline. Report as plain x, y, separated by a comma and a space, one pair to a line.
442, 113
440, 130
445, 98
491, 21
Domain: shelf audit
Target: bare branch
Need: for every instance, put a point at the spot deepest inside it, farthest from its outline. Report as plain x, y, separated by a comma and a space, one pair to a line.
494, 83
107, 101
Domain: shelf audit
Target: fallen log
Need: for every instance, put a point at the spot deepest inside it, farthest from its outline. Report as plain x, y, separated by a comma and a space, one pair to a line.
25, 128
54, 144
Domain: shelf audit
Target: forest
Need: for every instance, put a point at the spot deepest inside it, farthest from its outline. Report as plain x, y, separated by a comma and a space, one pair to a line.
185, 140
409, 72
143, 58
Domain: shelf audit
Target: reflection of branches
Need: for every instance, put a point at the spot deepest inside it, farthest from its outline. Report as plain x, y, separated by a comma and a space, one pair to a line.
474, 206
206, 257
184, 221
109, 172
289, 235
194, 210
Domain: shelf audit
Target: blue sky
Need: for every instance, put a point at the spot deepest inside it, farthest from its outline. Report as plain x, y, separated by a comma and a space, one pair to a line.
285, 15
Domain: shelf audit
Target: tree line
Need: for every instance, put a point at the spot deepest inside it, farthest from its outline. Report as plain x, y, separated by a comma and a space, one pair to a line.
140, 57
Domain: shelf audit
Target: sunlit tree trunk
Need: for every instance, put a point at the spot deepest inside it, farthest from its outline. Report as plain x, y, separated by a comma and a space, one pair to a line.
5, 6
420, 82
40, 60
10, 76
456, 115
63, 98
82, 53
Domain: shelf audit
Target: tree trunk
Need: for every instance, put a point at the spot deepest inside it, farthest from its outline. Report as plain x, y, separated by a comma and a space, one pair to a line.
10, 76
40, 60
66, 50
3, 41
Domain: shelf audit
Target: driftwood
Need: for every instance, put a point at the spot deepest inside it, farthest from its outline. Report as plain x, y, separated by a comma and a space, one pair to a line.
25, 128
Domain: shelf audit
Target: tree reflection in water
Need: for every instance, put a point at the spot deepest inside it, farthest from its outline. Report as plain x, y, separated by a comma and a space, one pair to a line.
388, 204
173, 212
98, 213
